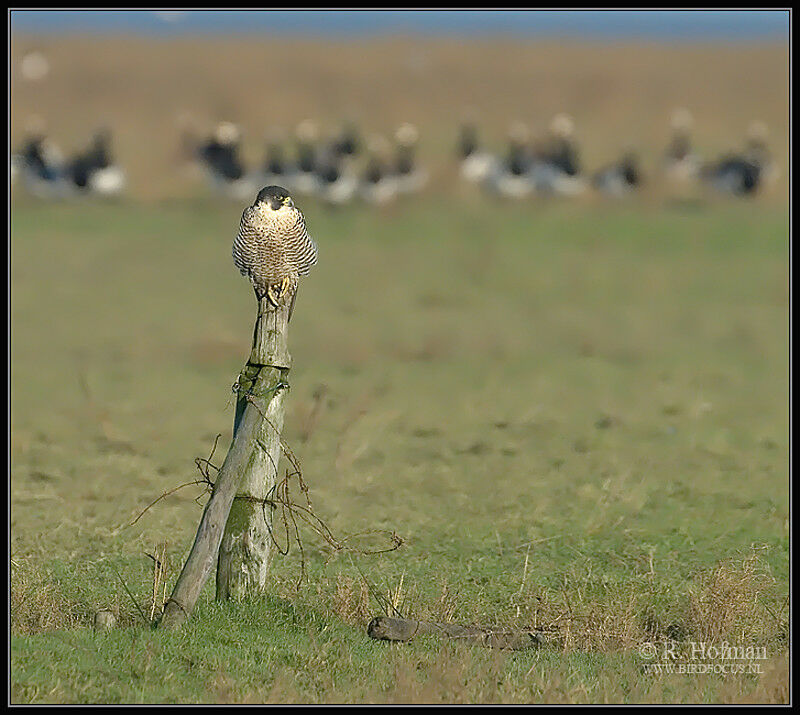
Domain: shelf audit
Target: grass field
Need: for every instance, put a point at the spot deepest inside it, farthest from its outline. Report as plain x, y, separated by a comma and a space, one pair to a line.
574, 415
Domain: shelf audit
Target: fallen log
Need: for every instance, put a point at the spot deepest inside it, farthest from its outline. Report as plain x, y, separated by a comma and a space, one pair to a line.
403, 629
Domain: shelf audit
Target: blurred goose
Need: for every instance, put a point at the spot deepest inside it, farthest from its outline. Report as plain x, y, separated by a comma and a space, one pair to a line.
557, 168
757, 151
409, 176
275, 168
220, 152
681, 164
347, 142
40, 163
746, 172
621, 177
303, 175
510, 177
732, 174
94, 171
220, 156
378, 185
475, 163
336, 180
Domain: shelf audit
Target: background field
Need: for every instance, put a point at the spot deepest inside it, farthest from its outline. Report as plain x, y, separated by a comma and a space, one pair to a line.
574, 414
618, 93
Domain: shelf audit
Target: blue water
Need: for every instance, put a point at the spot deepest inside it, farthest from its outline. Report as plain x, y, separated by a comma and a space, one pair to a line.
688, 25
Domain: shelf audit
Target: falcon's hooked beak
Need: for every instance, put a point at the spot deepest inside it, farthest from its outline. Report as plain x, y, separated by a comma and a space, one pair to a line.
276, 203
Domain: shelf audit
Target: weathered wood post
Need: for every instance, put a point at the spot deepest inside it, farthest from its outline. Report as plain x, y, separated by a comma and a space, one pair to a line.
248, 472
247, 543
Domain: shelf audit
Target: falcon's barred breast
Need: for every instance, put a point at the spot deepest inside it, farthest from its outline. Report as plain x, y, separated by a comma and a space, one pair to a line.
273, 247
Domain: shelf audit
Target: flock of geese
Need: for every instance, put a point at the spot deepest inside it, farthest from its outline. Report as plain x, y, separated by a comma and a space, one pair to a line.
551, 165
343, 168
339, 169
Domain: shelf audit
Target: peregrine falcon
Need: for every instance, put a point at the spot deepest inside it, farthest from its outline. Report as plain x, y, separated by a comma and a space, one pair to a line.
273, 247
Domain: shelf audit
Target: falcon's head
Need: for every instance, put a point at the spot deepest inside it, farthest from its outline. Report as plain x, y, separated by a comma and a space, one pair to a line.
273, 198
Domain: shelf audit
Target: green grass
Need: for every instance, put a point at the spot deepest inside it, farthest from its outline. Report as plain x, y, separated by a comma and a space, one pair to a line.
575, 416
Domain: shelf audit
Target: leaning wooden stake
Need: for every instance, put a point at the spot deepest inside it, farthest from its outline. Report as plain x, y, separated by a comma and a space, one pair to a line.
249, 472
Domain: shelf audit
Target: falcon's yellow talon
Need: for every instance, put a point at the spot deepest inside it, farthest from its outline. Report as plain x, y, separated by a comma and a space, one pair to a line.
276, 293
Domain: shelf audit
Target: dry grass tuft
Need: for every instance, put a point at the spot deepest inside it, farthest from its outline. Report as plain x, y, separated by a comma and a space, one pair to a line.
738, 601
37, 604
580, 623
351, 600
444, 609
160, 579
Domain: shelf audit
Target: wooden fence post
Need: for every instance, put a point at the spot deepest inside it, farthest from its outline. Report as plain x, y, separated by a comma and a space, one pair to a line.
247, 543
249, 472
